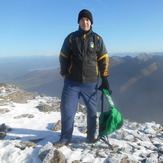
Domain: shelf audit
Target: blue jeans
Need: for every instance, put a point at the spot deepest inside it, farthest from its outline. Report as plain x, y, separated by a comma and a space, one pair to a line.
71, 93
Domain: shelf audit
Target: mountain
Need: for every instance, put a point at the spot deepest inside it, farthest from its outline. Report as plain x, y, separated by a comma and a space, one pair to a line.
136, 83
30, 124
137, 87
13, 67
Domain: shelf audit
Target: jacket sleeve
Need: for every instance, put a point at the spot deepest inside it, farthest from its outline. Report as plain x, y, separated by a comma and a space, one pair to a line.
64, 56
102, 58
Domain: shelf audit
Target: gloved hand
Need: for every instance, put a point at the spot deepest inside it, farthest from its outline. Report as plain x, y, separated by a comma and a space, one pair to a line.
105, 84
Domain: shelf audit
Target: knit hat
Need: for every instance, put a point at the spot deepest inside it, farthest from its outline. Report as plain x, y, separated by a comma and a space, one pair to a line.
85, 13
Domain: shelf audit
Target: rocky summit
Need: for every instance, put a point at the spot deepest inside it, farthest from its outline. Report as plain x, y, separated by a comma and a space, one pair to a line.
30, 124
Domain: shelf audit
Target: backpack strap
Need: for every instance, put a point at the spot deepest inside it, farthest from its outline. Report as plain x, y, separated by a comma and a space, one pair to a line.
108, 97
102, 102
101, 137
105, 140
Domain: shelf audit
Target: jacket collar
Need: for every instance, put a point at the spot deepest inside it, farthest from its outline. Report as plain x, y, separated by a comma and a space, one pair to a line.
82, 32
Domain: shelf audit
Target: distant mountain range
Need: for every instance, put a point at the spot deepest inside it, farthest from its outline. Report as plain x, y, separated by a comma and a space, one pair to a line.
137, 86
136, 82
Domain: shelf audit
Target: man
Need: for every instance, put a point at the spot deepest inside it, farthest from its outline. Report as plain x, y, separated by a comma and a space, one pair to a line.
83, 58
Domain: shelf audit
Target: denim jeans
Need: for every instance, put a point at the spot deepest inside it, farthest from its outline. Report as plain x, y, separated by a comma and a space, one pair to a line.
72, 91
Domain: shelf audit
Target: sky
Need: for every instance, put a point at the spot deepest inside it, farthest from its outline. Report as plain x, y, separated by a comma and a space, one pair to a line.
39, 27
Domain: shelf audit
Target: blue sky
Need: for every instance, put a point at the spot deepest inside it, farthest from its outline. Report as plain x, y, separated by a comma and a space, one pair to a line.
38, 27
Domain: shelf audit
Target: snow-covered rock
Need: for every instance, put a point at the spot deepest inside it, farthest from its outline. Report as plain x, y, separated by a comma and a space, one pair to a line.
28, 136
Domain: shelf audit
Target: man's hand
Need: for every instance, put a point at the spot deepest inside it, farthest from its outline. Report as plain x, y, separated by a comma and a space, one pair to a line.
105, 84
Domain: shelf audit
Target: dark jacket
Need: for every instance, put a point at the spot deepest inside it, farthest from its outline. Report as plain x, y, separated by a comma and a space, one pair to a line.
83, 55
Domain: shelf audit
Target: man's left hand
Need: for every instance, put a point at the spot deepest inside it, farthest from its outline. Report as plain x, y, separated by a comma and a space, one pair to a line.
105, 85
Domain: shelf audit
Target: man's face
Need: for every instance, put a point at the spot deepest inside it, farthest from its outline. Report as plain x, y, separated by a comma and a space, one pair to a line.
85, 24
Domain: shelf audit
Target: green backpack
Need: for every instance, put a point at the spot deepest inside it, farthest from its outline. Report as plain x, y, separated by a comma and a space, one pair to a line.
110, 120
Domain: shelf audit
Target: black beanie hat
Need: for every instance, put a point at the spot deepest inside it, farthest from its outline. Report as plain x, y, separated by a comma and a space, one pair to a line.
85, 13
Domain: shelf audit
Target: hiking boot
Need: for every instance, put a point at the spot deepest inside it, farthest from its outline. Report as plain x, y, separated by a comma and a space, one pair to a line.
91, 140
61, 142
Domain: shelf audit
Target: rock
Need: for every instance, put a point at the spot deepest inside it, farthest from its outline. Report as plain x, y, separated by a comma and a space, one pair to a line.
20, 96
159, 128
74, 156
100, 154
80, 121
23, 145
124, 160
66, 150
153, 158
133, 125
4, 110
45, 108
127, 160
127, 149
45, 150
114, 158
3, 127
115, 148
51, 104
2, 135
160, 160
54, 156
76, 161
3, 85
88, 158
14, 94
2, 102
57, 126
84, 130
24, 116
150, 131
160, 148
129, 138
81, 109
3, 130
58, 157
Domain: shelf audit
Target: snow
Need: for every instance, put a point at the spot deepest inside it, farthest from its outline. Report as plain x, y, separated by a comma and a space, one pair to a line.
133, 141
26, 129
